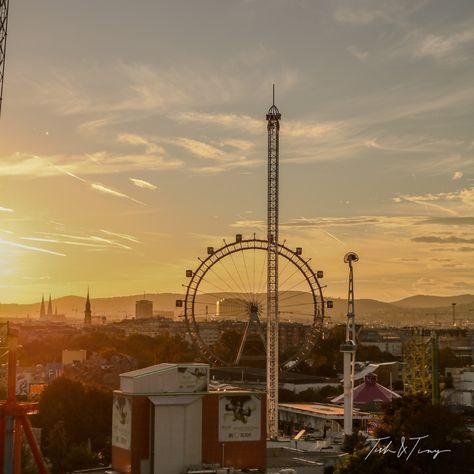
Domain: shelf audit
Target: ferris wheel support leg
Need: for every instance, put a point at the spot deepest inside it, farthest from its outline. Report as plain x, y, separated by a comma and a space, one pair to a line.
242, 343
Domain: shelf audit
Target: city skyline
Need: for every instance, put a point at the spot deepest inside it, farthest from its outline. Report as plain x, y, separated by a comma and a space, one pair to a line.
123, 156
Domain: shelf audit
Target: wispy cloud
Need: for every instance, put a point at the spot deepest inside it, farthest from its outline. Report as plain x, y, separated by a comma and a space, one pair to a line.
450, 47
106, 190
234, 121
465, 195
251, 125
84, 240
5, 209
451, 221
453, 203
358, 53
334, 237
201, 149
141, 183
98, 163
28, 247
457, 175
122, 236
149, 145
452, 239
364, 12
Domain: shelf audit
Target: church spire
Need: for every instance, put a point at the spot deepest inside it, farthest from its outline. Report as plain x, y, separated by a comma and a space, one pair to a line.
50, 307
42, 310
87, 310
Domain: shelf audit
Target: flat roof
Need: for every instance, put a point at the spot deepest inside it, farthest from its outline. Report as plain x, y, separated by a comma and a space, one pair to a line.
321, 410
153, 369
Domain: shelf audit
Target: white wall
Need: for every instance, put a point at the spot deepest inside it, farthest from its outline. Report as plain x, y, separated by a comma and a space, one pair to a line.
178, 434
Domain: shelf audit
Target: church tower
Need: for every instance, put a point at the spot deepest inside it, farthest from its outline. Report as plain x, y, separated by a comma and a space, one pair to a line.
87, 311
50, 308
42, 310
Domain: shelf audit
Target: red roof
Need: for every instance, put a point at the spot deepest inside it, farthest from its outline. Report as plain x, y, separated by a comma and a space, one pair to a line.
369, 391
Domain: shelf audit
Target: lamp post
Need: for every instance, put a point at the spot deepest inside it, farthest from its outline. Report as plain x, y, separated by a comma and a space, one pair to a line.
349, 347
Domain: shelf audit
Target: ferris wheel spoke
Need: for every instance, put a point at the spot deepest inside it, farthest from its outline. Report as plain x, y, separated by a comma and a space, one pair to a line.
292, 294
282, 270
214, 271
291, 275
218, 296
239, 276
247, 273
220, 279
297, 305
242, 290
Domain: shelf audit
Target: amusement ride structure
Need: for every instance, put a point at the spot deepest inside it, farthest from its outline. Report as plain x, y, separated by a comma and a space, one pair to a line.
14, 415
254, 284
348, 349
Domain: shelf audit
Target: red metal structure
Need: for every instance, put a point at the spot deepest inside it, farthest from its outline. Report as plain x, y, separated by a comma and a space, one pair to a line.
14, 419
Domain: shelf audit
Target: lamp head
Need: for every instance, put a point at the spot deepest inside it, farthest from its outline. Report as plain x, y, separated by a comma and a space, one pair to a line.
351, 257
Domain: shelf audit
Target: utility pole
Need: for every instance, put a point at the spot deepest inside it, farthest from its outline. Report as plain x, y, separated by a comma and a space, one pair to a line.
453, 305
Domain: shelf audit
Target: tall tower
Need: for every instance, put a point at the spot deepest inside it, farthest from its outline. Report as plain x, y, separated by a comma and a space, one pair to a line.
349, 347
273, 127
42, 310
87, 311
49, 315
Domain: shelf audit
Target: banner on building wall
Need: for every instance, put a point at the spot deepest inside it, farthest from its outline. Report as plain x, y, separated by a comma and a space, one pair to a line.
192, 379
239, 418
121, 422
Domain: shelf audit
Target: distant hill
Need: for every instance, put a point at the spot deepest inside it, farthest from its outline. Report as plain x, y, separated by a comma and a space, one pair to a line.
416, 309
427, 301
73, 306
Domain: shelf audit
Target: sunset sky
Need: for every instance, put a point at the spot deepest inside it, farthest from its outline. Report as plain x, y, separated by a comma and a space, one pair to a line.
133, 136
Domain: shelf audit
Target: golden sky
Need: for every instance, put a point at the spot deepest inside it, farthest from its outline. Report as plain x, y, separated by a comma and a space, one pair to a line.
134, 137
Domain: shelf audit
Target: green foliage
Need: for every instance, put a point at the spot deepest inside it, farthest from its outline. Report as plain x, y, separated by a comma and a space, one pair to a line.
326, 359
321, 395
447, 358
353, 442
58, 446
84, 414
227, 345
373, 353
410, 417
44, 350
66, 456
145, 350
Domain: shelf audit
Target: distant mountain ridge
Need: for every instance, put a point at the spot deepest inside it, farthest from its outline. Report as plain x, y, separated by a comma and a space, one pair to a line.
428, 301
408, 310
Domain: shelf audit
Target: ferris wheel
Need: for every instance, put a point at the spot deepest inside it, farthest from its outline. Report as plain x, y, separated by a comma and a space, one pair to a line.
225, 304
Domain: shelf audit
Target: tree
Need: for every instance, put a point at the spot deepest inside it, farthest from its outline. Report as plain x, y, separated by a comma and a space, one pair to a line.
84, 414
411, 417
58, 447
226, 347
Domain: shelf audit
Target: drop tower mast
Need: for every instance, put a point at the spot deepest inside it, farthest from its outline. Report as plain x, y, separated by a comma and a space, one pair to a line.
273, 127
